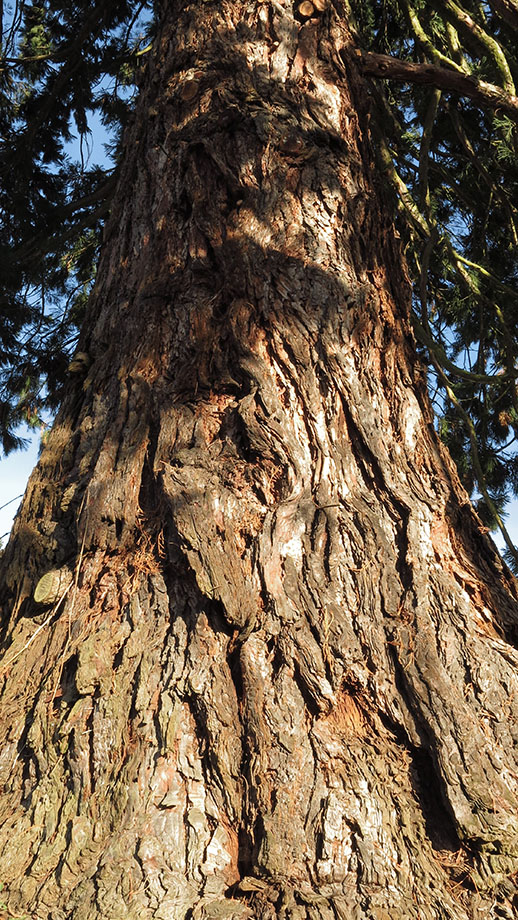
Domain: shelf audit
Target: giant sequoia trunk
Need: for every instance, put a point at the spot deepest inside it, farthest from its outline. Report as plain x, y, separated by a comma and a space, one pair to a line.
281, 678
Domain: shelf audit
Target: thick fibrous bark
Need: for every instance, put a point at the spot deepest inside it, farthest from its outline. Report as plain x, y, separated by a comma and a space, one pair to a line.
283, 680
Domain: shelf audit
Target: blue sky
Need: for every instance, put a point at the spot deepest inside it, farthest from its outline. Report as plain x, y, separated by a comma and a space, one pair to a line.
14, 473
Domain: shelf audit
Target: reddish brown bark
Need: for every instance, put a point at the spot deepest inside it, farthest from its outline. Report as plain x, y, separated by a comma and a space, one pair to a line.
282, 681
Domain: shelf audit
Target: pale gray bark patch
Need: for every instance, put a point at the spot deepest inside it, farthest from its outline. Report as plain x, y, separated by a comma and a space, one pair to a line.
284, 681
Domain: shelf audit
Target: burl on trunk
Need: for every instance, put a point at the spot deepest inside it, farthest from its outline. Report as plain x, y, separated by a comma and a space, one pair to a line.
278, 676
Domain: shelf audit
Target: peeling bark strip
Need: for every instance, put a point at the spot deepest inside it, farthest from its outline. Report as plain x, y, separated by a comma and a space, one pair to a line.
485, 94
283, 682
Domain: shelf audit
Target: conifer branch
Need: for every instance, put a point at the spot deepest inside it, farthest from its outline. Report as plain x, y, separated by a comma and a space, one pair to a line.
385, 67
424, 40
487, 42
475, 457
496, 189
43, 243
468, 421
424, 150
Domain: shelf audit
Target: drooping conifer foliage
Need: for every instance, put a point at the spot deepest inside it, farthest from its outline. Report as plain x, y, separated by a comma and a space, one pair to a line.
449, 142
65, 68
260, 656
445, 121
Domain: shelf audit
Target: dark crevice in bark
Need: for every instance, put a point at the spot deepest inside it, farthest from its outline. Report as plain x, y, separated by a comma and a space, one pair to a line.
149, 495
246, 847
230, 751
239, 434
258, 832
305, 690
90, 728
440, 825
30, 774
399, 730
25, 752
216, 615
367, 461
234, 662
119, 657
316, 632
402, 543
133, 709
69, 692
198, 709
424, 775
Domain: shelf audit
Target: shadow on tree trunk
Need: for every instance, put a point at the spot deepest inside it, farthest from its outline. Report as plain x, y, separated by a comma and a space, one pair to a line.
281, 682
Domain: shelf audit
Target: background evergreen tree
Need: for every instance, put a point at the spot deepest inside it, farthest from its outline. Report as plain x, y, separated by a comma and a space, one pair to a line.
64, 67
447, 136
450, 145
260, 655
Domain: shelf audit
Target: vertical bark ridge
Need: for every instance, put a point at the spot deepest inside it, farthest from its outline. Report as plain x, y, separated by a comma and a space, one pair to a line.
270, 689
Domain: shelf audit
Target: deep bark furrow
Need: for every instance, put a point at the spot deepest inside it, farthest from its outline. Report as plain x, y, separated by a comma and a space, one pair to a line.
277, 655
